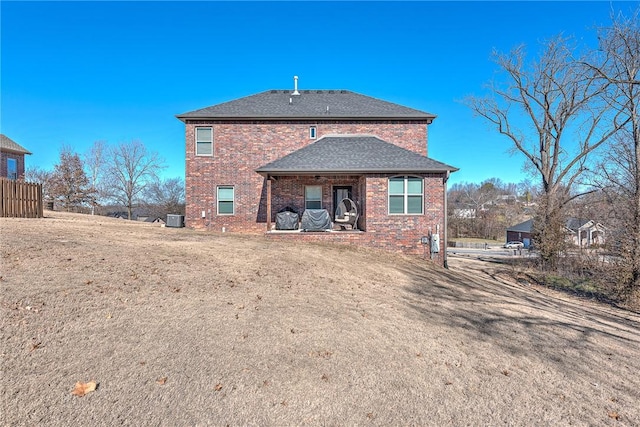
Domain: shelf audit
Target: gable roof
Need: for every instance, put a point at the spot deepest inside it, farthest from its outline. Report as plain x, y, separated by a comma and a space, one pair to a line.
343, 154
310, 104
7, 144
523, 227
572, 224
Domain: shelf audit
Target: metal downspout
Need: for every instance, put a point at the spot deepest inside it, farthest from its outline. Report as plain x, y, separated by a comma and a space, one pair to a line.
446, 228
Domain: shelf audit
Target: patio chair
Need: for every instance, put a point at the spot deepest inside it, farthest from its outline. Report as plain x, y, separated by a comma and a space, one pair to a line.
347, 214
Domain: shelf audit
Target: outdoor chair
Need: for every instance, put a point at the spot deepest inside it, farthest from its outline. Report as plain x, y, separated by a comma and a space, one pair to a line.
347, 214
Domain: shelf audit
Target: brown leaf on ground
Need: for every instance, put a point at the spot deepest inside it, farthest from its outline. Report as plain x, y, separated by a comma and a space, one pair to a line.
81, 388
161, 380
218, 387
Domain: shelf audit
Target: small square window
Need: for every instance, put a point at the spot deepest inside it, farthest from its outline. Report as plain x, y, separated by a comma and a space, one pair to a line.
204, 141
312, 132
406, 195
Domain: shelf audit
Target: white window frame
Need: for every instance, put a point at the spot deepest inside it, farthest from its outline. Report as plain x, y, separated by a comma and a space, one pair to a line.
405, 195
232, 200
307, 199
313, 132
210, 141
12, 175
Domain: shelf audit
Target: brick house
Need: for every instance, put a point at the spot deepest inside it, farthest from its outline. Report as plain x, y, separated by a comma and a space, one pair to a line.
250, 158
11, 158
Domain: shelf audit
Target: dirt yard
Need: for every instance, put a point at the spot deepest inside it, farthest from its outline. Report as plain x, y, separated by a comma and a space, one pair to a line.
186, 328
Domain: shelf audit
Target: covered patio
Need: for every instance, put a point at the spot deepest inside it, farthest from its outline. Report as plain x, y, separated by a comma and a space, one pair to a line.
353, 168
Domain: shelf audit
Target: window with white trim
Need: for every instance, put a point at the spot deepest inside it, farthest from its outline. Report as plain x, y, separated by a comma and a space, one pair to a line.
406, 195
312, 132
313, 197
226, 200
204, 141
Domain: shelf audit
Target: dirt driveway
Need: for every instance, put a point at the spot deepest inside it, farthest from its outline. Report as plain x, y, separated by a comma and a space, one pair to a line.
180, 327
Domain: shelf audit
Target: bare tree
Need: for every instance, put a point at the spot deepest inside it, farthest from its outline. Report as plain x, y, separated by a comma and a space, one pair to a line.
551, 111
69, 183
165, 196
618, 63
42, 176
130, 168
94, 161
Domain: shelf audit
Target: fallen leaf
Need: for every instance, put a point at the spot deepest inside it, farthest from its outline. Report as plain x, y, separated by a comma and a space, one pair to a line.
88, 282
506, 373
218, 387
83, 388
161, 380
614, 415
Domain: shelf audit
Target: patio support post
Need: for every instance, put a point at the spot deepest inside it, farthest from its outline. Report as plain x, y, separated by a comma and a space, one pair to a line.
268, 203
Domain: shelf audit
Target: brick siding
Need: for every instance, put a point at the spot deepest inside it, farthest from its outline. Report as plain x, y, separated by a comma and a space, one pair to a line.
241, 147
3, 163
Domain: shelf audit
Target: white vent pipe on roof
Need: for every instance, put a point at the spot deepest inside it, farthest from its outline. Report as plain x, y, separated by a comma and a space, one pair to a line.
295, 86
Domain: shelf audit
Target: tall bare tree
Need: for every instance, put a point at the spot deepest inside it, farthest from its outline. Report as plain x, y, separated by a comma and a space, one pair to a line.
551, 110
618, 63
94, 160
130, 168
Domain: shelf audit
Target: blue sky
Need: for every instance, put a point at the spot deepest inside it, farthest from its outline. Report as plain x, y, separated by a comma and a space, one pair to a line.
76, 72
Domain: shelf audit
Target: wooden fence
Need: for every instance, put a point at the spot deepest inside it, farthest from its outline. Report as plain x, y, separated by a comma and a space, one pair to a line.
20, 199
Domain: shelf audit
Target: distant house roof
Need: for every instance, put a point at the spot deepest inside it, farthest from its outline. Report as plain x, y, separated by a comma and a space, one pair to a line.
523, 227
7, 144
574, 224
342, 154
309, 104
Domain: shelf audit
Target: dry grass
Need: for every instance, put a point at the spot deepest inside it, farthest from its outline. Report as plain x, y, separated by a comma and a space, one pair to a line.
185, 328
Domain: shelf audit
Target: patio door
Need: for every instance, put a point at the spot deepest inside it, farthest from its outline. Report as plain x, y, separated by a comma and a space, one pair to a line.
339, 193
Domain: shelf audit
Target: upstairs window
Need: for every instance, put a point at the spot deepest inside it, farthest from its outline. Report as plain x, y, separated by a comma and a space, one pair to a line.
12, 168
226, 200
313, 197
312, 132
204, 141
406, 195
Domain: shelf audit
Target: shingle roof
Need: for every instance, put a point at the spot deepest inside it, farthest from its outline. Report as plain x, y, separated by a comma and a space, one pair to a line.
7, 144
574, 224
523, 227
310, 104
353, 154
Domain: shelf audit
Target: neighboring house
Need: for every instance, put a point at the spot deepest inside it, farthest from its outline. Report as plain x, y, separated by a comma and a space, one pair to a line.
151, 219
12, 158
521, 233
250, 158
118, 215
580, 232
585, 232
467, 213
